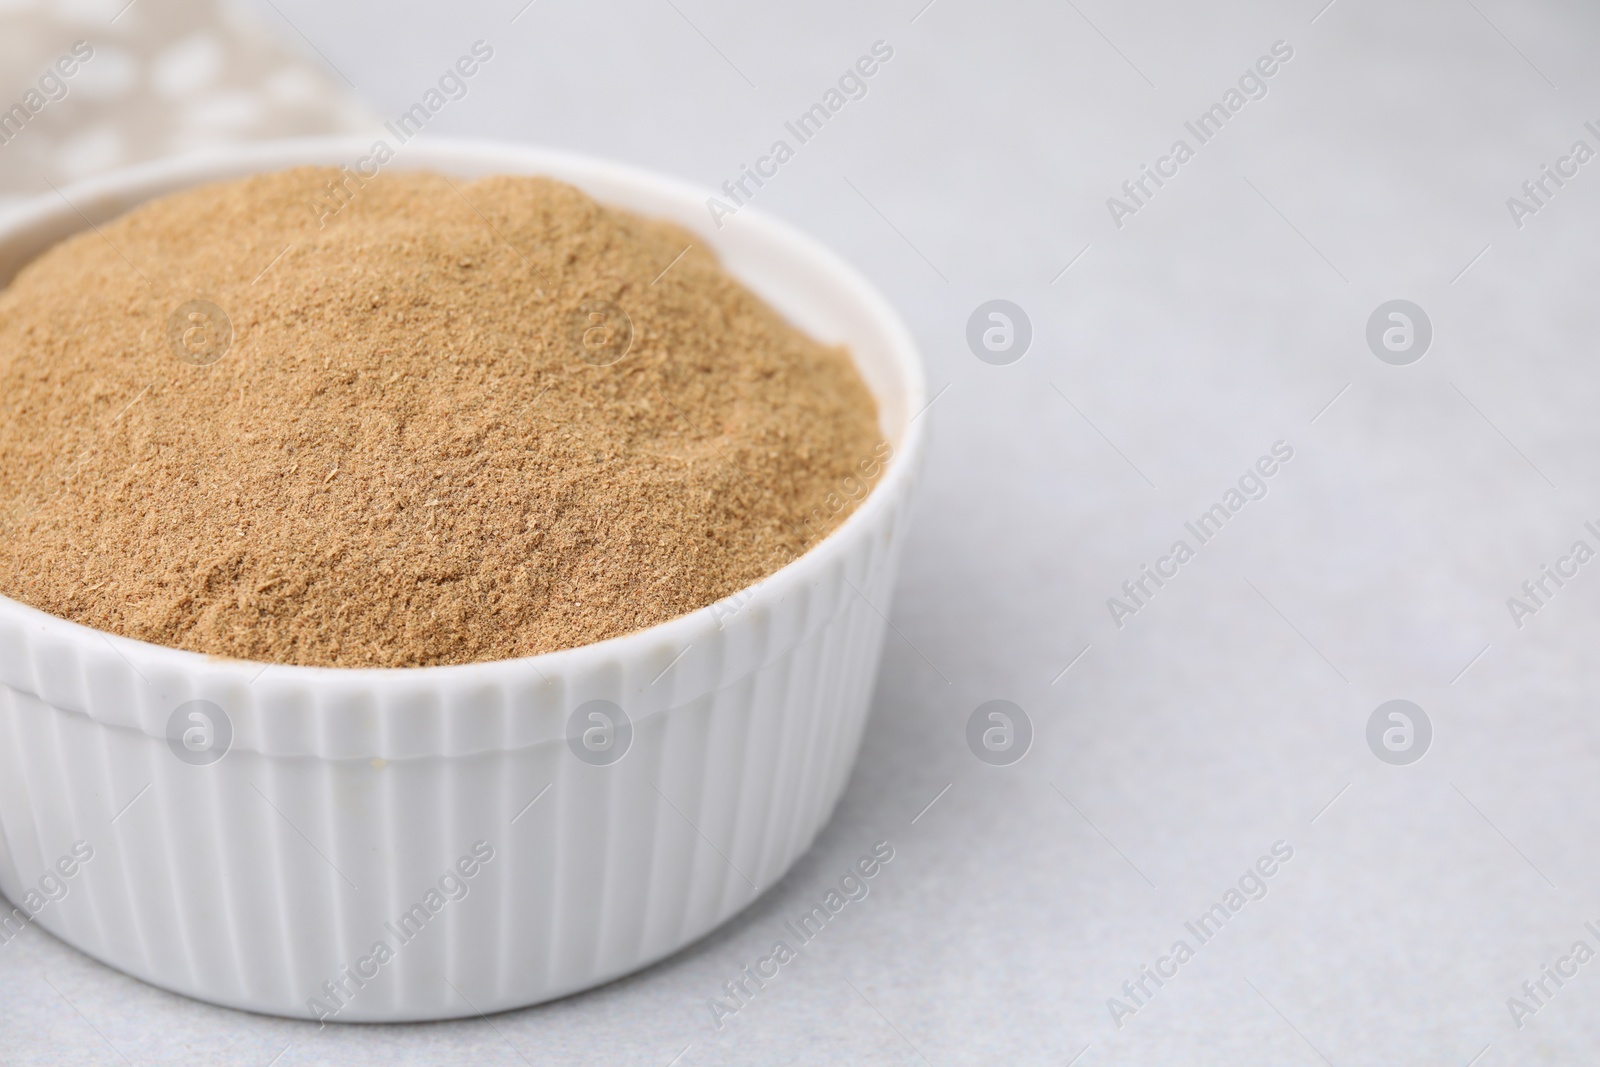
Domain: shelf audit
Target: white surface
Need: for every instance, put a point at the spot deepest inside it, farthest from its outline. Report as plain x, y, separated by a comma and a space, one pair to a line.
1208, 728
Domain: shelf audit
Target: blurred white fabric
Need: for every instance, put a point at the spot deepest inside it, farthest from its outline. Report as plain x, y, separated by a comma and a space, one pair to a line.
148, 79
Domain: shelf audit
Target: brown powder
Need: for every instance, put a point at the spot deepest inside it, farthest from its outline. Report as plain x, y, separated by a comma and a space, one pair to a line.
406, 453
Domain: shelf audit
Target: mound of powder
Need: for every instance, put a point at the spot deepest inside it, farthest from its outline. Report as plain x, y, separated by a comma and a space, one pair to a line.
303, 419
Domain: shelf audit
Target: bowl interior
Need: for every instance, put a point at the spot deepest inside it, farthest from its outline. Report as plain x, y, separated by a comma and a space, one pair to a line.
802, 280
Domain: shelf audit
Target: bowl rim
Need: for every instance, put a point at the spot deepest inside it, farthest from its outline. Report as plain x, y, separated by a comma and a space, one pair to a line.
160, 177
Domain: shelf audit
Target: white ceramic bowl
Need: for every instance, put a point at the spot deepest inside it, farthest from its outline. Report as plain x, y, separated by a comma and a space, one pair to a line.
442, 811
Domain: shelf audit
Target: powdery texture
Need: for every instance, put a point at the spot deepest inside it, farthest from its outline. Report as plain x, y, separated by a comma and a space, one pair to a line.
402, 459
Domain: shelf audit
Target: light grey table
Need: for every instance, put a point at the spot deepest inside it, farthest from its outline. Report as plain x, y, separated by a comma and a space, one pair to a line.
1230, 712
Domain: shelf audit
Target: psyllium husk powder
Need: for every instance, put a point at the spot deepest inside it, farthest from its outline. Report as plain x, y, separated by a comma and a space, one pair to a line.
445, 422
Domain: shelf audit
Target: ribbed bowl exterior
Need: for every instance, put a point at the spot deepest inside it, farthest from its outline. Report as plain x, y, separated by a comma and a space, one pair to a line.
443, 812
